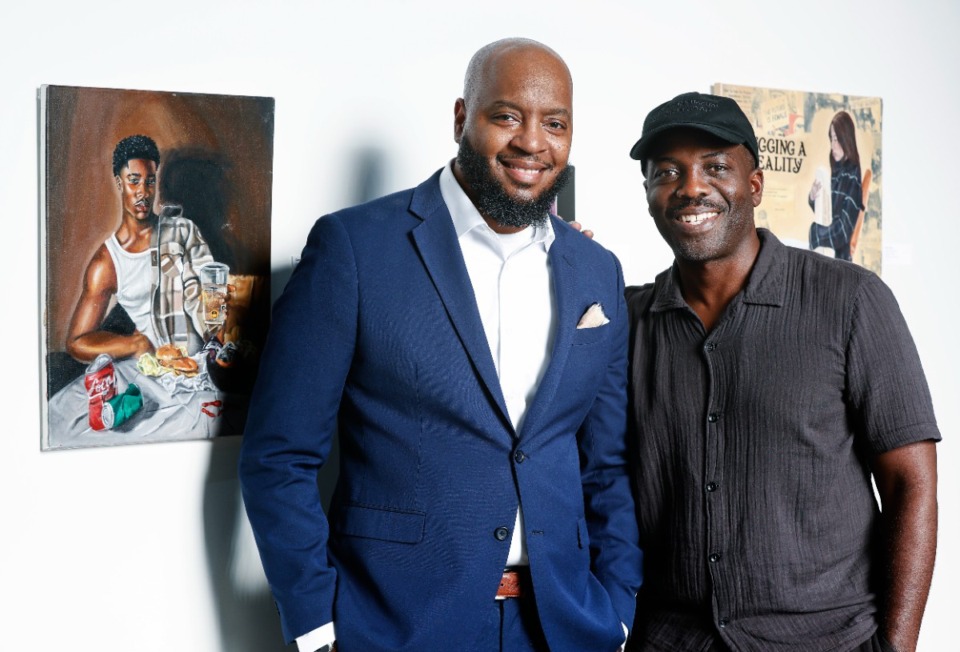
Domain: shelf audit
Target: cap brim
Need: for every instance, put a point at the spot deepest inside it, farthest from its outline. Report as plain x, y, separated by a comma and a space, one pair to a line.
640, 149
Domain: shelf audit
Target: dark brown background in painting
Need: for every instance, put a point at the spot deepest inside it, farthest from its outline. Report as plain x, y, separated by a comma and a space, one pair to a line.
216, 155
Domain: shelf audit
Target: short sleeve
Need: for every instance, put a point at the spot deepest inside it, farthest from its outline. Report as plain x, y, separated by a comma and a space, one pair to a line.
885, 381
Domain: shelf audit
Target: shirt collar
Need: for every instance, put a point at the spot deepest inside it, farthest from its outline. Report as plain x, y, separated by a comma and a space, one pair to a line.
765, 285
466, 217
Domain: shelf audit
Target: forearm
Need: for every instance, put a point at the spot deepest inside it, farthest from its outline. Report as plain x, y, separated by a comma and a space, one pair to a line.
911, 542
909, 523
88, 346
291, 423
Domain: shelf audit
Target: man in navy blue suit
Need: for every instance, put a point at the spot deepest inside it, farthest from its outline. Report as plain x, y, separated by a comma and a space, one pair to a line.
470, 351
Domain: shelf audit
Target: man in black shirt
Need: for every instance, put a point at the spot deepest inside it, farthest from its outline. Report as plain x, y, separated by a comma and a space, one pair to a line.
768, 385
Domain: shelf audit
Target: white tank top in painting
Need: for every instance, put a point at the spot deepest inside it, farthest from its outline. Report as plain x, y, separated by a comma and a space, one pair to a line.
134, 287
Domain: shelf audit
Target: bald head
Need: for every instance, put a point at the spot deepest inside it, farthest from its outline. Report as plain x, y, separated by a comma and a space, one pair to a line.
514, 125
483, 64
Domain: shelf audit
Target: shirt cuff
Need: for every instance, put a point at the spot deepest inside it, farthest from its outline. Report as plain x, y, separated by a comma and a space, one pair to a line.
316, 639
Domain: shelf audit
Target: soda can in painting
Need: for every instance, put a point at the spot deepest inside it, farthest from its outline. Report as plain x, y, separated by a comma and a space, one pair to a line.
101, 384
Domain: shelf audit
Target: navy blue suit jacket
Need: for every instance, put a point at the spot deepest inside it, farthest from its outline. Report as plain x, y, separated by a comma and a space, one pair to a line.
378, 334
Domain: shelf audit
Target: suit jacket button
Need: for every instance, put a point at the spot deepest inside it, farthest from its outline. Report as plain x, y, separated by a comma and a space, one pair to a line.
501, 533
519, 456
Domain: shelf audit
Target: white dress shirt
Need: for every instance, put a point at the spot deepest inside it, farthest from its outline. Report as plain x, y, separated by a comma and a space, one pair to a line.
513, 286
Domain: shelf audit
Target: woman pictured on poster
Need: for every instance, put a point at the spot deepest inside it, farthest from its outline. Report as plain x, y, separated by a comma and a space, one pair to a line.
845, 192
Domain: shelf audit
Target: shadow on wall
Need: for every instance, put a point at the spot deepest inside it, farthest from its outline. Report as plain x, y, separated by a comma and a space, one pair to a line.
248, 618
244, 605
198, 181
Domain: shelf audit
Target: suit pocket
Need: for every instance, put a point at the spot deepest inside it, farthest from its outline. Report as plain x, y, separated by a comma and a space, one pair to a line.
380, 523
583, 537
590, 335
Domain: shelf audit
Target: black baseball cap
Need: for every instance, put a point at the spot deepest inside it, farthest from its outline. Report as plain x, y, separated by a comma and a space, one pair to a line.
720, 116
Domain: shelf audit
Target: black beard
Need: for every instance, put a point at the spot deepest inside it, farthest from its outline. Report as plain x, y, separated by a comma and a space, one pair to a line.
492, 199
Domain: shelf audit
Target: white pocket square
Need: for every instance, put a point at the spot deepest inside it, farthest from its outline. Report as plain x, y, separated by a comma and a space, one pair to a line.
593, 317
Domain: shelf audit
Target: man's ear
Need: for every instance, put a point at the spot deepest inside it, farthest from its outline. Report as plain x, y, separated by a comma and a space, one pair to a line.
116, 178
459, 119
756, 186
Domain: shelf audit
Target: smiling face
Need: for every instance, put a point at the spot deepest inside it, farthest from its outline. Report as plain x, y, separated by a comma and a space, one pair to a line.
701, 192
514, 128
137, 182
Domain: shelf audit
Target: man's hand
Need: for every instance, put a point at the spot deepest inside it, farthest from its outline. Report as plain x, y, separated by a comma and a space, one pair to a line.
579, 227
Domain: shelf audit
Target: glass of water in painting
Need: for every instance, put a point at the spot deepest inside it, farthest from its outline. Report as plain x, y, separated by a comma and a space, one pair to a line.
213, 280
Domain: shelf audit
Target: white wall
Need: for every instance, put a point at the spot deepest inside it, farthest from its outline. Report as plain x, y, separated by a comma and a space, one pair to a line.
143, 547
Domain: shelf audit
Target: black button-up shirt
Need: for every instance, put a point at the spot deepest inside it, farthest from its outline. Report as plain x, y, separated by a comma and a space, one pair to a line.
756, 511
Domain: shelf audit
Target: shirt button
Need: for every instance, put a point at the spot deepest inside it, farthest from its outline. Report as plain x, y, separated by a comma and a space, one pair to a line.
714, 557
712, 486
723, 622
519, 457
501, 533
713, 417
709, 346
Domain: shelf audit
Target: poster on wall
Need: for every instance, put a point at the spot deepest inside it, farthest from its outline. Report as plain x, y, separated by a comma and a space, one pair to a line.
154, 262
821, 158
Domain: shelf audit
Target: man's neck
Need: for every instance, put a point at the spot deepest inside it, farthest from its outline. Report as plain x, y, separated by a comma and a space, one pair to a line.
709, 287
135, 235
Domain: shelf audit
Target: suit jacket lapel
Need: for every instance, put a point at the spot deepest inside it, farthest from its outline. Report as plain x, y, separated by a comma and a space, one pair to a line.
436, 241
565, 285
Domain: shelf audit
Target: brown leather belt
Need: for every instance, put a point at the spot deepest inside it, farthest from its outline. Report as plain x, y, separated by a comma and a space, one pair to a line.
512, 584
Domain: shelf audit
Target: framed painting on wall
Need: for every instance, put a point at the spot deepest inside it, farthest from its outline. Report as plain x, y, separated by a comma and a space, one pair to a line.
154, 262
821, 158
